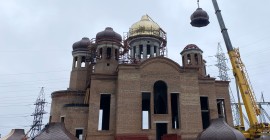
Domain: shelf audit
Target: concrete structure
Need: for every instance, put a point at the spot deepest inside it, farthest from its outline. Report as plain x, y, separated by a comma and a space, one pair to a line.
146, 97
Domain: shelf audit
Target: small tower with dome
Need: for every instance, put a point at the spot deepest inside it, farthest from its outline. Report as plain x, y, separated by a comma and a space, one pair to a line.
145, 39
80, 65
108, 44
192, 58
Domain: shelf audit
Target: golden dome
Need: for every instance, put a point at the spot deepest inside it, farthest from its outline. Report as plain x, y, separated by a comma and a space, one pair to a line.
146, 26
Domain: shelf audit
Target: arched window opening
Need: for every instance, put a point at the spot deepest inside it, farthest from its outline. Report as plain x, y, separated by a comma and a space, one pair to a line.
100, 53
109, 53
134, 51
116, 54
141, 52
83, 62
155, 51
188, 59
148, 51
160, 98
75, 62
196, 58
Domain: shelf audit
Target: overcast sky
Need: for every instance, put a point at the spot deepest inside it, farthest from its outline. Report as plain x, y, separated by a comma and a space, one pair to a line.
36, 40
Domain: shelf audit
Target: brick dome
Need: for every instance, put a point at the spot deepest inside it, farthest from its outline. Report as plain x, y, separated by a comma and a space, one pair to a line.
108, 35
82, 44
191, 47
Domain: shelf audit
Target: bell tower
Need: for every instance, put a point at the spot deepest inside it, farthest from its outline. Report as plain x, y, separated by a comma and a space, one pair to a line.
192, 57
80, 67
145, 39
107, 45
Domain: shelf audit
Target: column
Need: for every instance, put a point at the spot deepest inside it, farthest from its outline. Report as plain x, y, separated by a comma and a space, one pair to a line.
73, 64
152, 50
79, 62
144, 51
137, 52
132, 52
192, 59
158, 51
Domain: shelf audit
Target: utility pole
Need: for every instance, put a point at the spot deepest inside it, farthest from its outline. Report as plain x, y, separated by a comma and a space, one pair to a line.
38, 114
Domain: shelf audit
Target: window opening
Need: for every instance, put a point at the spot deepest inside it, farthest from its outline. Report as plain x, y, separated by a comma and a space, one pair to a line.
155, 51
161, 129
221, 108
62, 119
205, 112
79, 134
141, 51
188, 59
75, 62
50, 119
196, 59
148, 51
175, 110
160, 98
104, 112
100, 53
146, 114
83, 62
116, 54
109, 53
134, 51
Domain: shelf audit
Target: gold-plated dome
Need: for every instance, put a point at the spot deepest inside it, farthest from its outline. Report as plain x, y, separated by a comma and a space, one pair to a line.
146, 26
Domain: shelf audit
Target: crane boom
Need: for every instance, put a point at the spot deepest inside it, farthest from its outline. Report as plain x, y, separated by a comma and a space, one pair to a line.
239, 72
256, 129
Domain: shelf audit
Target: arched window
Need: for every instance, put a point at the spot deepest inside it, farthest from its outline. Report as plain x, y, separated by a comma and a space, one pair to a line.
100, 53
196, 58
109, 53
75, 62
116, 54
160, 98
188, 59
83, 62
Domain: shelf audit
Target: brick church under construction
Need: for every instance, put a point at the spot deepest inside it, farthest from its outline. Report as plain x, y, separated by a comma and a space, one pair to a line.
126, 88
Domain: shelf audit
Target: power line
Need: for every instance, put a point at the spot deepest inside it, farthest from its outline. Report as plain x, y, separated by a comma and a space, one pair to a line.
31, 73
34, 81
47, 82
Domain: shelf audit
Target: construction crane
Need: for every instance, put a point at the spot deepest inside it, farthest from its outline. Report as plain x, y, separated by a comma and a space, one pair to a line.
257, 129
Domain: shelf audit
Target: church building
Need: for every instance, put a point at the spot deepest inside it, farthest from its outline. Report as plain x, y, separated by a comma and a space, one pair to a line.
127, 88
